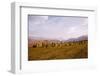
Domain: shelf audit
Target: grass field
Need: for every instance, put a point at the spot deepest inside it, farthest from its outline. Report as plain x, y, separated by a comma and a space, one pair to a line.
66, 52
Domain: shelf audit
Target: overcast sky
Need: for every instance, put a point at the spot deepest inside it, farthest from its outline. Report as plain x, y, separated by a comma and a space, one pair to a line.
57, 27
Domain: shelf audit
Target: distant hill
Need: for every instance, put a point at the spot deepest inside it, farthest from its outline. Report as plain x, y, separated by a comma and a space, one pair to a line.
77, 39
31, 40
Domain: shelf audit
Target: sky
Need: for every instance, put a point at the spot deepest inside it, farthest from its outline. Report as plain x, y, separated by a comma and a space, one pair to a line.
57, 27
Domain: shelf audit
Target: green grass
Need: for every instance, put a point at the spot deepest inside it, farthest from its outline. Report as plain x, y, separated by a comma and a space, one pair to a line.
65, 52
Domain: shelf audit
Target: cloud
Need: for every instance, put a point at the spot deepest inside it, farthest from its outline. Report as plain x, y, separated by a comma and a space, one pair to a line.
57, 26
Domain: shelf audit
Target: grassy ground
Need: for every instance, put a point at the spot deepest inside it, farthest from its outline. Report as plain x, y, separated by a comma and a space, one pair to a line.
66, 52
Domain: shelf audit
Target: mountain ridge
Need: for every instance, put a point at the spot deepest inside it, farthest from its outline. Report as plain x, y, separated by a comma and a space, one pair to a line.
84, 37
